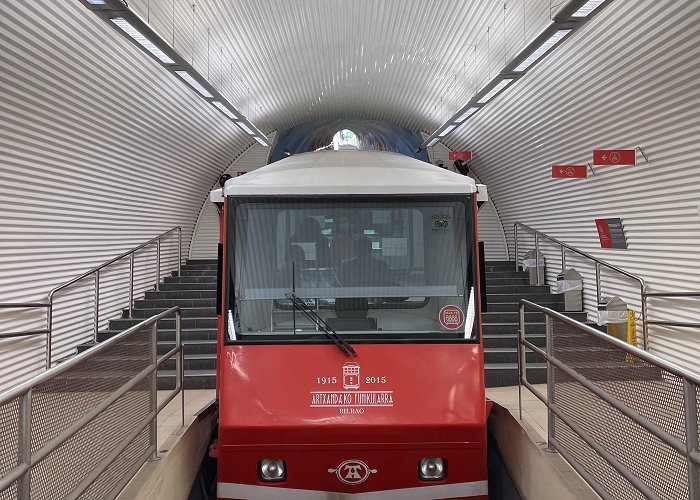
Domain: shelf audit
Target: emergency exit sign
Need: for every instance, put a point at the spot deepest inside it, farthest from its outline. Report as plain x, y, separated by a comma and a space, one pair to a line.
614, 157
570, 171
460, 155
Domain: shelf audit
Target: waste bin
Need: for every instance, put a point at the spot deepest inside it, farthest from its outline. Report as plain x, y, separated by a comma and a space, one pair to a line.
570, 283
530, 263
612, 311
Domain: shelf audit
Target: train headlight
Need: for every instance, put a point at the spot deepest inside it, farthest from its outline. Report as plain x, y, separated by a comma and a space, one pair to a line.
272, 470
432, 469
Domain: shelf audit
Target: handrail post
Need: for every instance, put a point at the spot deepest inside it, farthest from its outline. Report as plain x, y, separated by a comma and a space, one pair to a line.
515, 237
97, 304
691, 437
179, 251
153, 426
645, 327
550, 384
537, 257
597, 283
49, 325
158, 265
131, 283
522, 373
563, 258
24, 444
180, 364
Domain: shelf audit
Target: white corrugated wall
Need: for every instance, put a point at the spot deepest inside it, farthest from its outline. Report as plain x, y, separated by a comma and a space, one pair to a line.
206, 232
490, 227
100, 149
629, 78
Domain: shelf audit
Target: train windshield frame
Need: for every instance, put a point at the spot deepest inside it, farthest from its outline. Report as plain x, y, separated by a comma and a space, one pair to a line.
374, 269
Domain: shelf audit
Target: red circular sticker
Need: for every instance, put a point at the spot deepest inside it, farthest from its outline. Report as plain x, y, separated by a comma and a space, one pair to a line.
451, 317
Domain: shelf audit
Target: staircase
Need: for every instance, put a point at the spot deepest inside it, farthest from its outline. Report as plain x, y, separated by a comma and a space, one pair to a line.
194, 290
504, 289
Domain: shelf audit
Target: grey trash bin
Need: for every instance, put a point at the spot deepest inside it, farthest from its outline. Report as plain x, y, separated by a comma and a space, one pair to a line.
612, 311
570, 283
530, 264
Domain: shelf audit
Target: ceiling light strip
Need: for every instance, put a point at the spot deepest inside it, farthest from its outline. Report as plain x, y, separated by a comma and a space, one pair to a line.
139, 32
579, 12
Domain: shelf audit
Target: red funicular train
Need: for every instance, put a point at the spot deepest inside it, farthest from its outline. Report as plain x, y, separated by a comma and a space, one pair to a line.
350, 360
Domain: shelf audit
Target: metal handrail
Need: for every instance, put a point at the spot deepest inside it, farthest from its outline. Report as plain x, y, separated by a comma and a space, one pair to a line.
691, 380
598, 264
29, 458
96, 272
678, 324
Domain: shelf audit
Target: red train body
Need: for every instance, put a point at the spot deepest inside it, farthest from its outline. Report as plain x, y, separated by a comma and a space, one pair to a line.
334, 382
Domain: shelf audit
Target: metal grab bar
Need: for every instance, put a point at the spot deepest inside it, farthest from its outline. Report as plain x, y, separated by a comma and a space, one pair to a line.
22, 305
598, 263
28, 458
672, 295
96, 272
686, 448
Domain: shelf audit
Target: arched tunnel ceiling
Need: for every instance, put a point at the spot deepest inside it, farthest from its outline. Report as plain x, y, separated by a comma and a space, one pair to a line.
412, 63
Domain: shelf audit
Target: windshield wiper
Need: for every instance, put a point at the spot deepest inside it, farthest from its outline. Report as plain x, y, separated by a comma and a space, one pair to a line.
311, 315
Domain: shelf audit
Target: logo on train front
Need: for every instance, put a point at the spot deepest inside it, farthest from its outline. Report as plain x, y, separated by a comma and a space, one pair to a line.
352, 471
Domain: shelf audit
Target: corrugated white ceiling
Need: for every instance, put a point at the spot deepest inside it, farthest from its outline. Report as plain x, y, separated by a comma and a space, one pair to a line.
409, 62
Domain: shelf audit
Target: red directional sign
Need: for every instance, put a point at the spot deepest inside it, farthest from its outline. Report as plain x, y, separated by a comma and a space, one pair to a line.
570, 171
460, 155
614, 157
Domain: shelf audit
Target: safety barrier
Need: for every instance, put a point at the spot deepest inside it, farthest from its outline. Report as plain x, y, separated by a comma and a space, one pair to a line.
626, 420
83, 428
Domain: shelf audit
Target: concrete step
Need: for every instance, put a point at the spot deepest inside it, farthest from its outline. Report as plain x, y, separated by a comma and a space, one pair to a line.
193, 362
506, 374
515, 306
165, 324
184, 287
505, 281
511, 340
187, 312
506, 274
211, 273
189, 346
198, 262
194, 379
542, 298
189, 279
512, 328
188, 334
180, 294
518, 289
530, 317
168, 303
508, 355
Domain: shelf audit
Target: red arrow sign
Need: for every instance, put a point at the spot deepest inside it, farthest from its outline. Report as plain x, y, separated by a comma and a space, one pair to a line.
614, 157
460, 155
570, 171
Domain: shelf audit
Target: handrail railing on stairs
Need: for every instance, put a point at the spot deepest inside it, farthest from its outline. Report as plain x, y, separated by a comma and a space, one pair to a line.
96, 272
598, 264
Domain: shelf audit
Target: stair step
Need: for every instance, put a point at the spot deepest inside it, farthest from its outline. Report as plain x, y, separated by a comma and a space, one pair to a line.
505, 281
530, 317
512, 328
508, 355
181, 294
536, 297
168, 303
194, 287
187, 312
519, 289
506, 374
193, 362
511, 340
190, 334
201, 261
196, 273
515, 306
189, 279
189, 346
194, 379
506, 274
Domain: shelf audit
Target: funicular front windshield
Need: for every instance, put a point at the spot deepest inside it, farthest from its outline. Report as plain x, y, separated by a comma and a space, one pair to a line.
369, 268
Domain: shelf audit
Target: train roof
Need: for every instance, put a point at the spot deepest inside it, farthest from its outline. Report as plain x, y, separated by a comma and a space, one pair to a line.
349, 172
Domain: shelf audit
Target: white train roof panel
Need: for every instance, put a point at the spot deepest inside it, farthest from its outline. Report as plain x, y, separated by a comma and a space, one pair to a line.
349, 172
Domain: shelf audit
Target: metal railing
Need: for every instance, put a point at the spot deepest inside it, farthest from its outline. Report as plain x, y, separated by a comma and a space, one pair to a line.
97, 412
626, 420
598, 264
95, 272
678, 324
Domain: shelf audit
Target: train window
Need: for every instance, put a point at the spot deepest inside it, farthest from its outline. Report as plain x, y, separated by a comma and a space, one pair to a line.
371, 269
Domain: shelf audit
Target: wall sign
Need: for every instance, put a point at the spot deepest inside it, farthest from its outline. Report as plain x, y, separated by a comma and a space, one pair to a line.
611, 233
615, 157
460, 155
570, 171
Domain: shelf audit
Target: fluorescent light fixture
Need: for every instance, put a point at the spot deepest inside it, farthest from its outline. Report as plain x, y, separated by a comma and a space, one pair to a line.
193, 83
97, 2
467, 114
587, 8
144, 42
260, 141
489, 95
447, 130
542, 49
433, 142
220, 106
245, 127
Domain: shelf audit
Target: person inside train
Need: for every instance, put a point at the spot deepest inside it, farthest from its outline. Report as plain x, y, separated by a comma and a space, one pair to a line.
309, 237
